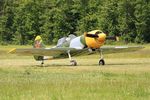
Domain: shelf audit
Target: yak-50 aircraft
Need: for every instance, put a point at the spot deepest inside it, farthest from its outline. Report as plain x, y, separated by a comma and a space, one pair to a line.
90, 42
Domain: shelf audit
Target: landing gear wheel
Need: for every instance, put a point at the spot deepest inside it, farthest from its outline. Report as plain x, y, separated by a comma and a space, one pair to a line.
73, 63
101, 62
42, 63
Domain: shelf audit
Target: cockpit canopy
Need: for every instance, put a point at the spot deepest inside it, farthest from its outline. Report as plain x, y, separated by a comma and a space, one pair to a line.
63, 40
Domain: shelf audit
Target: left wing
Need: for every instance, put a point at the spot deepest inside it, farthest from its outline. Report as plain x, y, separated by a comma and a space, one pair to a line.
119, 49
108, 50
41, 51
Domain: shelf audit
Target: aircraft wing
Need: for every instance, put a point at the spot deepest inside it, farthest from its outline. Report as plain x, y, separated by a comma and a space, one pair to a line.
107, 50
41, 51
74, 51
119, 49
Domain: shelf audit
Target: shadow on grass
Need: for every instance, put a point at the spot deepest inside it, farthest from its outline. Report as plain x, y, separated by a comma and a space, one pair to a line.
106, 65
53, 65
128, 63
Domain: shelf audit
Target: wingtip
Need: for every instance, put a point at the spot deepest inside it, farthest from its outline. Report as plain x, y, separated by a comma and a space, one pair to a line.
12, 50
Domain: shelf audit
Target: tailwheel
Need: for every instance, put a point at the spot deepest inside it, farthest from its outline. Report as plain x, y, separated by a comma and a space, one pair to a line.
73, 63
101, 62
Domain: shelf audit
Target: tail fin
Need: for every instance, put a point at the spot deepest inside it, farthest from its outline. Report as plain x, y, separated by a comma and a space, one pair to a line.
38, 43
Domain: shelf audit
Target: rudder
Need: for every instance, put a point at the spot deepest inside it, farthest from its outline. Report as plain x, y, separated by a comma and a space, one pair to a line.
38, 43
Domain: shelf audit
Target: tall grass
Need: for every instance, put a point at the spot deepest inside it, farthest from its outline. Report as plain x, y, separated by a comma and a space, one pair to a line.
52, 83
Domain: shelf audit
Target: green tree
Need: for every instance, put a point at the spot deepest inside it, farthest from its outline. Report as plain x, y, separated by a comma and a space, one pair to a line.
142, 14
26, 22
22, 20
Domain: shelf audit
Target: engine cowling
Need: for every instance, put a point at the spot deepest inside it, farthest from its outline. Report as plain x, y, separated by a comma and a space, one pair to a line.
95, 39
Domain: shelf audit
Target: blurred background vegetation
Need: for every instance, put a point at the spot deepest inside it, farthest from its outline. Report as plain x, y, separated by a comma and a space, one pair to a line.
22, 20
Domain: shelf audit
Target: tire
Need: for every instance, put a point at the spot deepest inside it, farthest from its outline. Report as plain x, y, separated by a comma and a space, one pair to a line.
73, 63
101, 62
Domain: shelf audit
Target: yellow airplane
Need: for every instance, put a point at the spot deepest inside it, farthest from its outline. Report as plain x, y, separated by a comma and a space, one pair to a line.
89, 43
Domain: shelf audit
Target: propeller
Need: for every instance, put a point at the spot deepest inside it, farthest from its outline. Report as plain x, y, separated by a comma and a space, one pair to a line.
116, 38
92, 35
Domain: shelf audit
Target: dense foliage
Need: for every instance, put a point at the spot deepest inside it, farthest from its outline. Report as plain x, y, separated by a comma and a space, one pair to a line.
22, 20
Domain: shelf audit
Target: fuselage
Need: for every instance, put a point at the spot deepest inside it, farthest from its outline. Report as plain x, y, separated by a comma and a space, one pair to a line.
83, 41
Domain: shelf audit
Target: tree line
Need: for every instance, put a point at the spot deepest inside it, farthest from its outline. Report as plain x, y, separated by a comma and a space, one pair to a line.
22, 20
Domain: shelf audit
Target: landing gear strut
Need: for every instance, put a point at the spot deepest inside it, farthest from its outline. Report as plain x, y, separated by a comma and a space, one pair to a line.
72, 62
101, 61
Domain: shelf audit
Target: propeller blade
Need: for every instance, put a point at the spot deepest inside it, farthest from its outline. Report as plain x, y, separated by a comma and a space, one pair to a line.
92, 35
112, 38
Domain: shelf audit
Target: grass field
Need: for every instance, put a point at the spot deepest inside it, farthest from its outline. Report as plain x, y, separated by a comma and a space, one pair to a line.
126, 76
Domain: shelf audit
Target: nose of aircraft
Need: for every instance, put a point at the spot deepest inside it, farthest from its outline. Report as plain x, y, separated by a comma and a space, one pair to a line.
101, 37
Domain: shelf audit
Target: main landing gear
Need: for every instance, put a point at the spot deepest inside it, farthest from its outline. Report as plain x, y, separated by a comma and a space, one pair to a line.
72, 62
42, 63
101, 61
